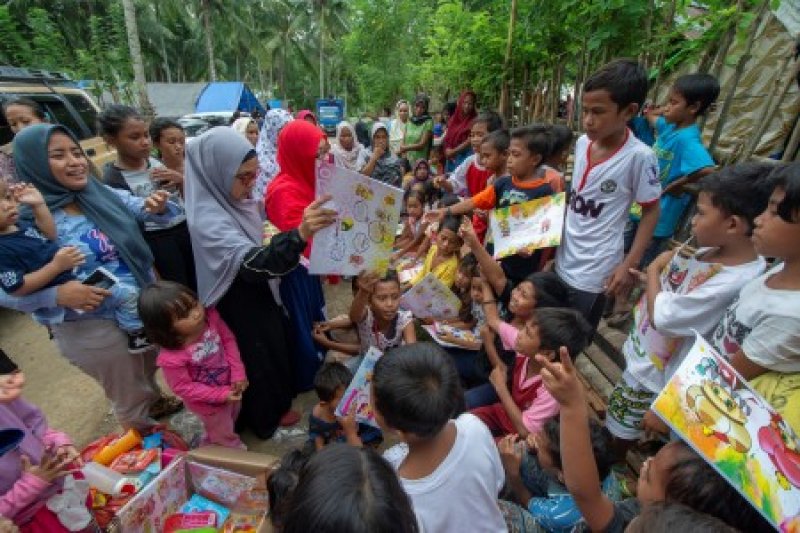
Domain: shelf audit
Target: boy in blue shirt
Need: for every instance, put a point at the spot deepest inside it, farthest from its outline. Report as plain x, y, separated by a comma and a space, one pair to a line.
682, 158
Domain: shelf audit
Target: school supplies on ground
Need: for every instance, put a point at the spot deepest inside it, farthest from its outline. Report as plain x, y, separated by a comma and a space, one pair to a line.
528, 226
732, 427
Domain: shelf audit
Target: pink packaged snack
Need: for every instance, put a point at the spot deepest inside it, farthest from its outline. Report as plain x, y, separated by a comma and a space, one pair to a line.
196, 520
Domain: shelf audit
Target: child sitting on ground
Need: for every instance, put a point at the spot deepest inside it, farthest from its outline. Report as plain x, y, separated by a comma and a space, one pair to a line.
31, 260
324, 426
675, 474
469, 289
442, 258
760, 332
281, 484
413, 226
338, 335
523, 407
34, 471
199, 357
450, 468
376, 312
686, 292
536, 480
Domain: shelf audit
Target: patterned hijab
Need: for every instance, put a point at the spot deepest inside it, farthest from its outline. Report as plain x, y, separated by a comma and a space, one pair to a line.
267, 149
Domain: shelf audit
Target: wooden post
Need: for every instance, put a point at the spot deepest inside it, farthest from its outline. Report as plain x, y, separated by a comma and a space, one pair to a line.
737, 74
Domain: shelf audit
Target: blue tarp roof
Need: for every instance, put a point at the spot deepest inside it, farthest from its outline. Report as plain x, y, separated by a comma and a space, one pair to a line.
227, 96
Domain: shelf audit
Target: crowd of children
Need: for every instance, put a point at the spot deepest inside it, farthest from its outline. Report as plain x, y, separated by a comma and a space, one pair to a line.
489, 421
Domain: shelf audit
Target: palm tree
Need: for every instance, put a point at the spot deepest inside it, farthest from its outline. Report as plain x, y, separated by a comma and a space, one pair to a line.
136, 56
205, 14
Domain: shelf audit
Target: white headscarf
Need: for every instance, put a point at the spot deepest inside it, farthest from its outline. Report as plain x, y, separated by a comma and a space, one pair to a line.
241, 124
267, 149
397, 134
223, 230
346, 158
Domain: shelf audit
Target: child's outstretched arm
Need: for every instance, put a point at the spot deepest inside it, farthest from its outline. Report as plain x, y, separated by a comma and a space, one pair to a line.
577, 459
490, 307
409, 333
323, 340
491, 270
366, 284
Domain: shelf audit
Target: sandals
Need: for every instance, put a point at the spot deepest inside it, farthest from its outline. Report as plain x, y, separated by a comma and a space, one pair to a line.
165, 406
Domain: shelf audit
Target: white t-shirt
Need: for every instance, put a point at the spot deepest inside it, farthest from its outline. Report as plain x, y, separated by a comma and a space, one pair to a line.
765, 323
142, 185
592, 245
458, 179
461, 494
694, 295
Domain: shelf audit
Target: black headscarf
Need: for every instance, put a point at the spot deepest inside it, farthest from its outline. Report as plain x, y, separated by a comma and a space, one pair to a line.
424, 100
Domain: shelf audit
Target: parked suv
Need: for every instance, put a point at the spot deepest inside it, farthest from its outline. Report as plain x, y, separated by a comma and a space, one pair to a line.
62, 102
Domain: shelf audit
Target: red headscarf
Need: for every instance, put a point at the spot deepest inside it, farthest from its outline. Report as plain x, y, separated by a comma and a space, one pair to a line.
301, 115
459, 124
294, 187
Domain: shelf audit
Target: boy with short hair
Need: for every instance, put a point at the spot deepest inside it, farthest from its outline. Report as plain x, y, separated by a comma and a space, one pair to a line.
686, 292
613, 169
450, 469
524, 408
760, 332
682, 157
529, 179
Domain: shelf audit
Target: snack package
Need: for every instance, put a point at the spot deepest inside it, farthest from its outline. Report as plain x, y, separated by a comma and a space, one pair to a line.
135, 461
190, 521
198, 503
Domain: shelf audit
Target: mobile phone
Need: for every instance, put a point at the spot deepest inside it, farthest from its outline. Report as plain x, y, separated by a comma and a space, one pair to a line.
101, 278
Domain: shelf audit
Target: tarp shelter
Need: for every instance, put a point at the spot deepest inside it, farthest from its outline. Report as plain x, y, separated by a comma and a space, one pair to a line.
228, 96
174, 99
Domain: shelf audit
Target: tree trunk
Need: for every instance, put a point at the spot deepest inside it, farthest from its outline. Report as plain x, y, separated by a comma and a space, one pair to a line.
205, 8
136, 57
668, 23
737, 74
719, 61
322, 48
505, 90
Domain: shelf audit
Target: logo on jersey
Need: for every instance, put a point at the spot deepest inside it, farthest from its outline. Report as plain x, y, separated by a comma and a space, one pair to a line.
585, 207
608, 186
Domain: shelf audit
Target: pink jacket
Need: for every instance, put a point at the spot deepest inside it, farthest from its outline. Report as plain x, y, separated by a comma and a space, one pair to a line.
201, 373
23, 494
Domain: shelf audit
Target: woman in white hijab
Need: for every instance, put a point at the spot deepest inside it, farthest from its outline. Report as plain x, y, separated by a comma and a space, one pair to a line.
247, 127
234, 268
347, 149
397, 133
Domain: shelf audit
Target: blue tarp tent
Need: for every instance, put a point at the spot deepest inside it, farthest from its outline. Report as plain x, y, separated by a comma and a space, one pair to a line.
228, 96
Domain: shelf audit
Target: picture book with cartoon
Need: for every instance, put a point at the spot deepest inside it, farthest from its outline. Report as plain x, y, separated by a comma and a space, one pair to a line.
438, 329
430, 298
733, 428
530, 225
357, 395
363, 234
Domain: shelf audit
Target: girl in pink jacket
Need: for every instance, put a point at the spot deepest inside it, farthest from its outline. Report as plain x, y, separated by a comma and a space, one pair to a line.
33, 460
199, 357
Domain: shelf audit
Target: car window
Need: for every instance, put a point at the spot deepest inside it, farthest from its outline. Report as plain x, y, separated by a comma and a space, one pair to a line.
59, 113
85, 109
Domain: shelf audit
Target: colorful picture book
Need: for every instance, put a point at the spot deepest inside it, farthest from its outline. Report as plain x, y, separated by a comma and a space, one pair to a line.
363, 234
357, 395
528, 226
438, 329
407, 269
732, 427
430, 298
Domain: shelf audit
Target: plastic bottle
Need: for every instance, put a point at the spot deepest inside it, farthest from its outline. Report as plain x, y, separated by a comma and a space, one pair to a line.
123, 444
108, 481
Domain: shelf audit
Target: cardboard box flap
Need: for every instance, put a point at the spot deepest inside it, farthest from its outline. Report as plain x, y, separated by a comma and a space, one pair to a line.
258, 465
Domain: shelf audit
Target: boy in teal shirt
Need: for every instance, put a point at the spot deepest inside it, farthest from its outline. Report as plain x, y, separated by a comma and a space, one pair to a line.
682, 158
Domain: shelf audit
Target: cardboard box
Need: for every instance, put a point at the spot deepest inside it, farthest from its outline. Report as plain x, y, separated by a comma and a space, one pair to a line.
147, 510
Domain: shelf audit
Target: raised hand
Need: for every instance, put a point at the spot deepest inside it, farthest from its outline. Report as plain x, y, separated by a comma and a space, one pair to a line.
316, 217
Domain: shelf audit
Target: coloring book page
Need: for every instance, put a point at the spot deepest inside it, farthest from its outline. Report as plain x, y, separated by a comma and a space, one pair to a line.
439, 328
357, 395
529, 225
430, 298
363, 234
733, 428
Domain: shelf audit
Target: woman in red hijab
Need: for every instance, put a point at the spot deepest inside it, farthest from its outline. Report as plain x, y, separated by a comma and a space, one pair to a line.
307, 115
300, 144
456, 140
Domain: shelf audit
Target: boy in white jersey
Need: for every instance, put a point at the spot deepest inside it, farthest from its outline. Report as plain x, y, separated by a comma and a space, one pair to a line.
687, 292
613, 169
